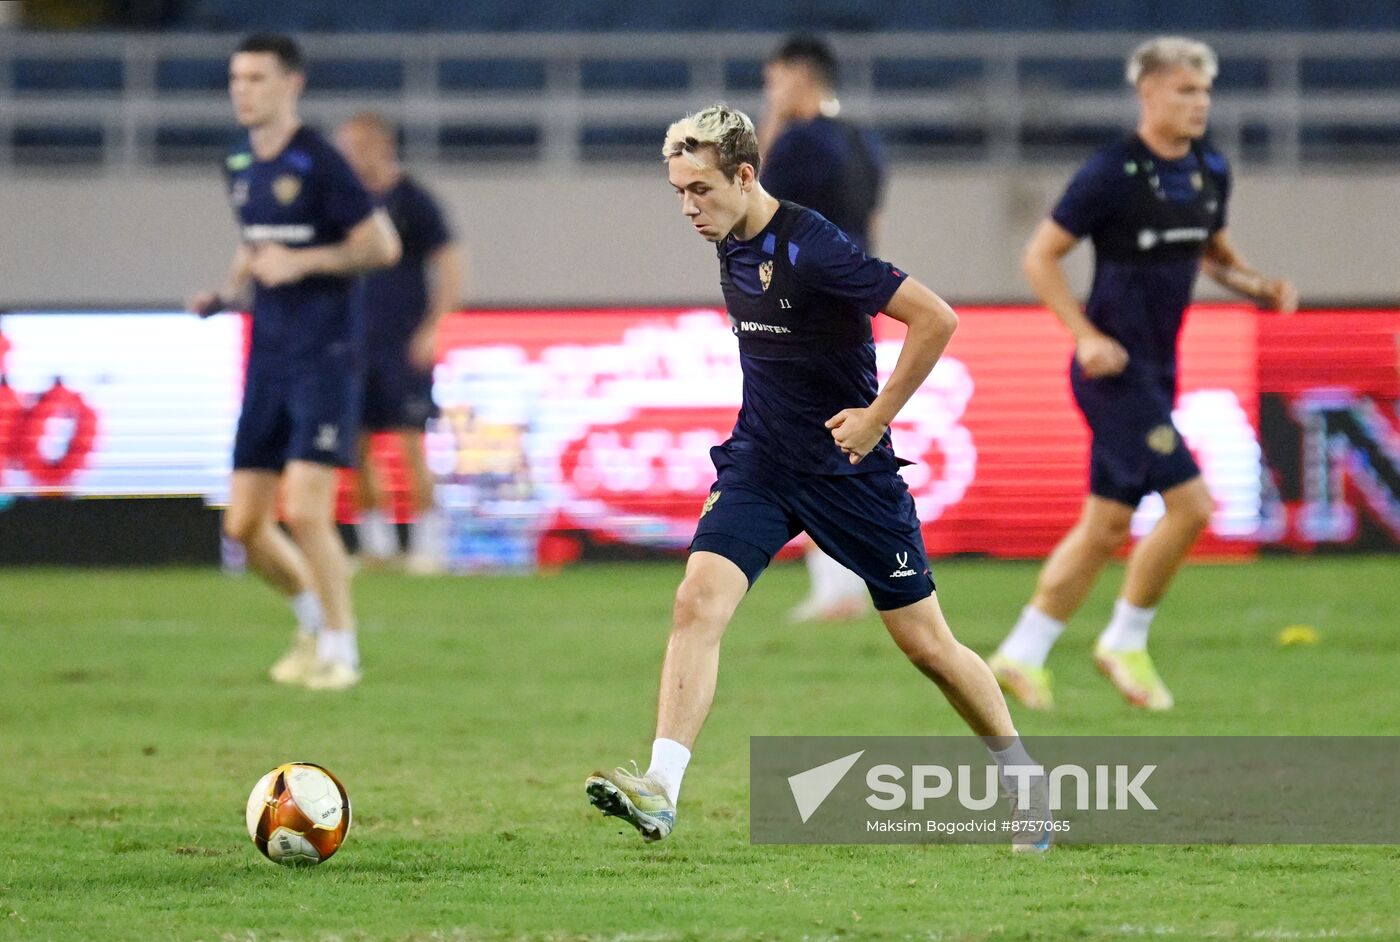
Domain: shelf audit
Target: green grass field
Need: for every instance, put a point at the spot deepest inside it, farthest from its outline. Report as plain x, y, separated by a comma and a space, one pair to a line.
135, 717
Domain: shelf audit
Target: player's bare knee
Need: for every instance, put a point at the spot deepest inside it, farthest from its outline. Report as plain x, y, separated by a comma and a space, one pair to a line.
698, 607
1104, 537
934, 656
1196, 512
303, 519
241, 526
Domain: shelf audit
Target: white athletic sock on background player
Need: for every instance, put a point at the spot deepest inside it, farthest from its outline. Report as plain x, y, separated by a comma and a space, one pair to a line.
307, 608
1032, 638
378, 539
338, 646
1128, 630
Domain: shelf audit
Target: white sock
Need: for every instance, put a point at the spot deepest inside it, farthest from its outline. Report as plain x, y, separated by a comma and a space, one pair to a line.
831, 581
378, 538
338, 645
1128, 629
1013, 755
1032, 638
307, 607
668, 761
427, 535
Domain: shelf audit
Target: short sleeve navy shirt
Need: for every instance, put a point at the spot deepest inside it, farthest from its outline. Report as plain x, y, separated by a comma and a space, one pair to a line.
305, 196
1145, 268
396, 298
801, 296
831, 167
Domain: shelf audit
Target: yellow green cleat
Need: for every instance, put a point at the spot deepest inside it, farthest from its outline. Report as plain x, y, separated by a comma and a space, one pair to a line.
1135, 677
1026, 682
292, 667
636, 799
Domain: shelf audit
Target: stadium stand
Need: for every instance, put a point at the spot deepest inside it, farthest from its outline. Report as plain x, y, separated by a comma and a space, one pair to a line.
561, 83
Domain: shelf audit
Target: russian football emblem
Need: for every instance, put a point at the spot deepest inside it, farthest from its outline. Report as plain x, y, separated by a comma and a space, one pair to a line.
1162, 439
765, 273
286, 188
1197, 182
709, 503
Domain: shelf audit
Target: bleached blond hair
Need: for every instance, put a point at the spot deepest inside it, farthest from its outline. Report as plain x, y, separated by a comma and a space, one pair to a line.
728, 131
1168, 52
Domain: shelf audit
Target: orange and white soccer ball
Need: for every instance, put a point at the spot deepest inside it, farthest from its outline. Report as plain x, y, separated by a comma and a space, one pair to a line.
298, 814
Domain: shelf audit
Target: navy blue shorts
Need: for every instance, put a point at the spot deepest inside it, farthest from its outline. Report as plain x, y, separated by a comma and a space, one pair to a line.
1136, 449
397, 396
309, 415
866, 522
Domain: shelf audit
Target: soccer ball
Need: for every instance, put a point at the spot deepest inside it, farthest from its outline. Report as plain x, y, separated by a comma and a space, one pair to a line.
298, 814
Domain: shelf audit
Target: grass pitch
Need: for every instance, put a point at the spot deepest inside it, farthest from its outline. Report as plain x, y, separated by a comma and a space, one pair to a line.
135, 717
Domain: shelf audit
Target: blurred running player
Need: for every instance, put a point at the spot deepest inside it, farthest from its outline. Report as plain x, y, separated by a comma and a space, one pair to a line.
819, 160
1154, 205
308, 228
810, 452
403, 307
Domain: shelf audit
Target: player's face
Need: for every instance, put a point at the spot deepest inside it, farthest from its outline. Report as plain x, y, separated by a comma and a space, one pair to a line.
712, 203
784, 83
364, 149
1177, 101
260, 87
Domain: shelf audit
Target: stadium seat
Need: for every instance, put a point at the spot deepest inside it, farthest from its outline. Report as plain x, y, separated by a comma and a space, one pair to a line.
1071, 74
634, 75
817, 15
1350, 75
45, 146
488, 142
513, 75
178, 144
354, 75
926, 74
191, 75
76, 76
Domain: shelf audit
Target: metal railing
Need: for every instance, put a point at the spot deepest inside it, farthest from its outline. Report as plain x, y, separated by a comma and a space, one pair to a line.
999, 98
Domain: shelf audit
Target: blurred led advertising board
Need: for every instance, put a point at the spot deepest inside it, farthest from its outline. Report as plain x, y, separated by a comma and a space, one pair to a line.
598, 422
123, 404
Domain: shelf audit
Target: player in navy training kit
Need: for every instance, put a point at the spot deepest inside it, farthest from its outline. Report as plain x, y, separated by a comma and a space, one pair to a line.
308, 227
403, 306
1154, 206
810, 452
827, 164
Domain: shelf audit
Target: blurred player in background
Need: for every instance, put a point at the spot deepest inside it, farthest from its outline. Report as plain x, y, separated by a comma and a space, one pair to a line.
810, 452
825, 163
1154, 206
403, 307
308, 228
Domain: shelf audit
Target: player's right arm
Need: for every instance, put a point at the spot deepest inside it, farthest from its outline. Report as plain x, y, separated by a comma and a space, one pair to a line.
930, 322
233, 295
1098, 354
371, 243
447, 275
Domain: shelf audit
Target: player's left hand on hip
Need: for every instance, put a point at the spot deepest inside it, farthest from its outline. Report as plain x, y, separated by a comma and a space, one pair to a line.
855, 432
274, 265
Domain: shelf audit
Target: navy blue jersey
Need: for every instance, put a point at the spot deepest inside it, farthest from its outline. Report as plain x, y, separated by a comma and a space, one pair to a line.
801, 296
830, 166
305, 196
396, 299
1149, 220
